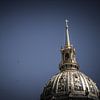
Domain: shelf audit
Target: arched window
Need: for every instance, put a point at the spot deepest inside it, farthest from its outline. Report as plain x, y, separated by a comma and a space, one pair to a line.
66, 56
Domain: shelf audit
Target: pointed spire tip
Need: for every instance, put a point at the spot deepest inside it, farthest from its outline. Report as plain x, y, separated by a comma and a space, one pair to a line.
66, 22
67, 34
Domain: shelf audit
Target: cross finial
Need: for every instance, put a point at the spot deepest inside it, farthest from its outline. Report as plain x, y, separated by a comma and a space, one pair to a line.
67, 34
66, 23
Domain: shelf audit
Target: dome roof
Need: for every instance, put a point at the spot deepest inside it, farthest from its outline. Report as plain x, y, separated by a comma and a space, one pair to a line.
70, 83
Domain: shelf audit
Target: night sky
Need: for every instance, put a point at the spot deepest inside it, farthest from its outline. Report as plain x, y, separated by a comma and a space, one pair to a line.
31, 35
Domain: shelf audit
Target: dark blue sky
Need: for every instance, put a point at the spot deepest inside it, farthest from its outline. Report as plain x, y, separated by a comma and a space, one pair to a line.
31, 34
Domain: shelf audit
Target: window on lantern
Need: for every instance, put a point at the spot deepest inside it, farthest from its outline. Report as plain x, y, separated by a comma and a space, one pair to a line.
66, 56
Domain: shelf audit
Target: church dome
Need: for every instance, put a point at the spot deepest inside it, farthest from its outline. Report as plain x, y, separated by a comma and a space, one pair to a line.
70, 83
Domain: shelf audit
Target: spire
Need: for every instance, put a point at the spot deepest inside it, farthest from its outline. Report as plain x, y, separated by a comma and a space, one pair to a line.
68, 60
67, 42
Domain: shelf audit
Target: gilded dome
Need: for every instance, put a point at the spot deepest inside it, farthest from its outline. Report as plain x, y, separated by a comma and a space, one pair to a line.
70, 83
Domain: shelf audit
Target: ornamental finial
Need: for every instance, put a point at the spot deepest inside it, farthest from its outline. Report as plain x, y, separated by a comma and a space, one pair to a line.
67, 43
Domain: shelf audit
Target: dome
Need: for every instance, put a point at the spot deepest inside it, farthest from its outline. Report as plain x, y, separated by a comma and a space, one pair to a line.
70, 84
